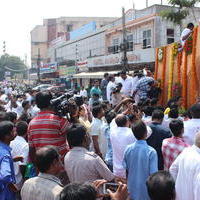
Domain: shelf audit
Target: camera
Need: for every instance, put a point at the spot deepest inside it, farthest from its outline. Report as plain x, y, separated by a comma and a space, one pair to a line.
66, 103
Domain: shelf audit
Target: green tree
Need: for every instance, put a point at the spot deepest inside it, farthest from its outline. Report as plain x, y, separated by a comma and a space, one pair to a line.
179, 11
11, 64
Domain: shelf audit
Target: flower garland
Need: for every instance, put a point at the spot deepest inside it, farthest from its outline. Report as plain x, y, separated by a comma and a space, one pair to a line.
163, 74
160, 54
184, 81
156, 65
189, 45
179, 62
171, 68
175, 49
194, 80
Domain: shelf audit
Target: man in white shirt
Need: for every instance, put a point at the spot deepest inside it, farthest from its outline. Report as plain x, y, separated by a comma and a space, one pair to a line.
120, 137
83, 92
186, 33
20, 148
99, 141
127, 84
192, 127
185, 170
111, 84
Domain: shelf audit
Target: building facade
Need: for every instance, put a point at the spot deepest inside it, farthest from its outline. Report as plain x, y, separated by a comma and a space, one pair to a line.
58, 29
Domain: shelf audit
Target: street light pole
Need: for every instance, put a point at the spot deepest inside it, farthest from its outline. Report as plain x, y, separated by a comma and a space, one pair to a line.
38, 65
124, 44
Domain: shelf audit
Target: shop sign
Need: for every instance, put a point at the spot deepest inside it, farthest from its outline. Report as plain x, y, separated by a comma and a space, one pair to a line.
64, 70
139, 56
48, 68
83, 66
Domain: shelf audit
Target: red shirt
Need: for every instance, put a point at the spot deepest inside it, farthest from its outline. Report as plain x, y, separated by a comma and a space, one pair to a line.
48, 129
171, 148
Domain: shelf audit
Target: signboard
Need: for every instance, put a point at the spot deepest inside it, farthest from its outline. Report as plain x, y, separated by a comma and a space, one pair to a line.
66, 71
83, 30
48, 68
139, 56
83, 66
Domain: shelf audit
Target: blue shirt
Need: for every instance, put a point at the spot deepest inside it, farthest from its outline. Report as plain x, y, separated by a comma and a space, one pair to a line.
109, 153
7, 174
140, 161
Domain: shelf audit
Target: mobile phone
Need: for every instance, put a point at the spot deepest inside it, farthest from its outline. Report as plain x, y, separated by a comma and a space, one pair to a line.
111, 186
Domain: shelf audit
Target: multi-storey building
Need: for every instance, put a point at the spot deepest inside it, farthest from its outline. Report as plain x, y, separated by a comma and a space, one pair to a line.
58, 29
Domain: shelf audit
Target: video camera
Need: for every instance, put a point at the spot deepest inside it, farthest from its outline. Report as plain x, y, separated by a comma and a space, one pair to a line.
66, 103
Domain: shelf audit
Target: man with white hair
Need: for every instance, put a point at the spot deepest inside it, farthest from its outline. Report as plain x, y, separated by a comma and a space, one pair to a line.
185, 171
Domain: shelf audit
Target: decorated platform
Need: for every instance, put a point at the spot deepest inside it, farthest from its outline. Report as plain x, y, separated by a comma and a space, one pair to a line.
178, 71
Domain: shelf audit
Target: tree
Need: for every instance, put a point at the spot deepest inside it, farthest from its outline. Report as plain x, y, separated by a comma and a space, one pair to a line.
12, 64
179, 11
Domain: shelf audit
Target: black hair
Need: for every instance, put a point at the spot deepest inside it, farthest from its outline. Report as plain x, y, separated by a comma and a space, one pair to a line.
96, 110
11, 116
173, 113
132, 117
159, 108
176, 127
21, 128
105, 75
121, 120
6, 128
96, 103
45, 157
110, 77
161, 186
154, 101
139, 130
3, 116
148, 110
123, 72
77, 191
190, 25
195, 111
157, 114
43, 99
76, 134
110, 116
24, 103
95, 95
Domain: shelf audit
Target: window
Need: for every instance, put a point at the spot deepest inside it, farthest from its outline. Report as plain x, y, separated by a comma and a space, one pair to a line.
115, 41
170, 36
69, 27
146, 39
129, 42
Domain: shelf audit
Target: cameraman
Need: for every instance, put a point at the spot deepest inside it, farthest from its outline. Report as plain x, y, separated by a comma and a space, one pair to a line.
47, 128
116, 95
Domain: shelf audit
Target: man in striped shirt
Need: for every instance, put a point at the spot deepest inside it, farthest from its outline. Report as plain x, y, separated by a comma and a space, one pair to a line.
47, 128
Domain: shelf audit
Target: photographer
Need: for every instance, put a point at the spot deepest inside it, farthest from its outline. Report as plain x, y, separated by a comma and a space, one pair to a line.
47, 128
116, 95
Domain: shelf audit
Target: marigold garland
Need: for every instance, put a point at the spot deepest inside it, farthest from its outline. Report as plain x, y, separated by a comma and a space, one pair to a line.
193, 70
189, 45
184, 81
171, 68
179, 61
163, 74
175, 49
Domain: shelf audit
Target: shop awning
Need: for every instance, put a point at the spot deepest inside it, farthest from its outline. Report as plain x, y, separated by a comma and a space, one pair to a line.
92, 75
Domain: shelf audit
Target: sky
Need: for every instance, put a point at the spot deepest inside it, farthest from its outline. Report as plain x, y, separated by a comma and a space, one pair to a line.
18, 18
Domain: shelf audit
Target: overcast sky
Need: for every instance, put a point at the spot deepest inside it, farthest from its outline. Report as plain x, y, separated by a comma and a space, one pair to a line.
18, 17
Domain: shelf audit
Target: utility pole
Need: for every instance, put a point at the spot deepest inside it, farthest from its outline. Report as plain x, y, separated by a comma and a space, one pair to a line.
161, 2
147, 3
38, 65
124, 44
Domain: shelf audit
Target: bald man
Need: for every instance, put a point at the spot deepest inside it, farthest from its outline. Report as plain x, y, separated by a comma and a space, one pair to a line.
46, 185
185, 171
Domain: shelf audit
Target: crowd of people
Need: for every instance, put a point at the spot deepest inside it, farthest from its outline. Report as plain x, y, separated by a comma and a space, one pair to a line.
56, 146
